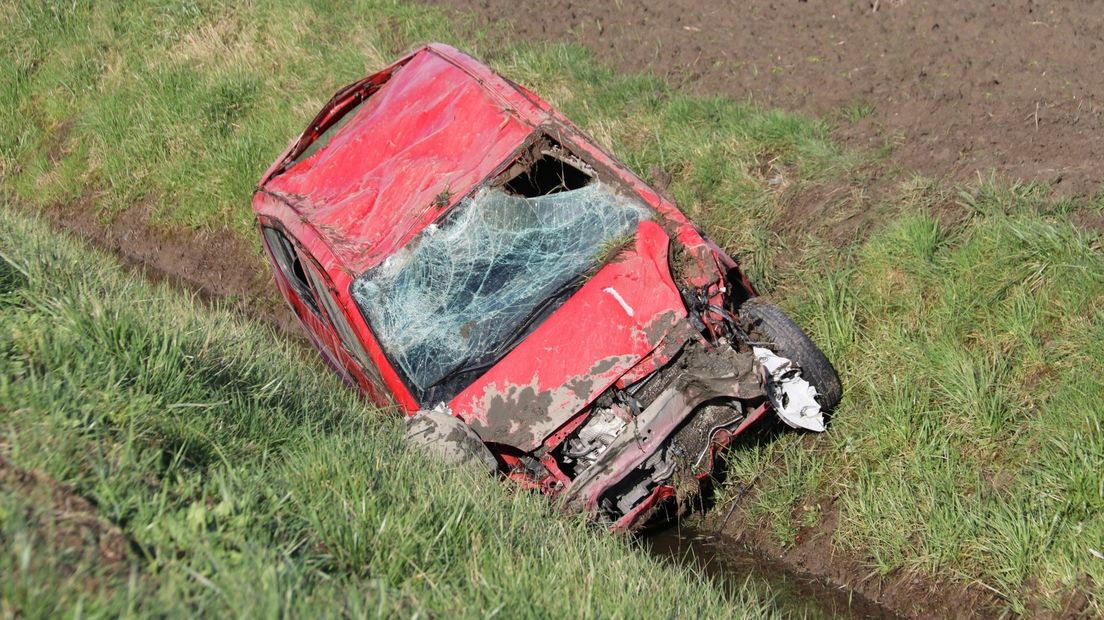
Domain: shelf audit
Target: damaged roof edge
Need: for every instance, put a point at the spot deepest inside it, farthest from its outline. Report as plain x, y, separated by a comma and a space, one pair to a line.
477, 71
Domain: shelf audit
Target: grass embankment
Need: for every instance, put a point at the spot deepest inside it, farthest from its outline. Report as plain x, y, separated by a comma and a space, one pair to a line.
971, 440
968, 446
250, 481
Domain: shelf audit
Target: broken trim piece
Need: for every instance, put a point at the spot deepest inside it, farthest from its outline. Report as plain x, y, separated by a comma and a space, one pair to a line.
445, 438
793, 397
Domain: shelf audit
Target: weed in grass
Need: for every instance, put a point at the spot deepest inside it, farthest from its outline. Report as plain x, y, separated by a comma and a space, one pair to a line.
855, 112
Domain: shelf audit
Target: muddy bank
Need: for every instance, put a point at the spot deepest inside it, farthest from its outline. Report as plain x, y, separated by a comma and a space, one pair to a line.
729, 544
814, 558
956, 89
216, 265
66, 524
731, 564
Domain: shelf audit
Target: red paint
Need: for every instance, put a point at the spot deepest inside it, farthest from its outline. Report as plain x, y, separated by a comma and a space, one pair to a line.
578, 352
429, 130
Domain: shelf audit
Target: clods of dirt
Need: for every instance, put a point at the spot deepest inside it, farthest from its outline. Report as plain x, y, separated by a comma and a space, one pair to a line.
68, 524
957, 88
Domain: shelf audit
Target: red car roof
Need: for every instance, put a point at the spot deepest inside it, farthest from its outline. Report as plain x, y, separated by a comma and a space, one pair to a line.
437, 127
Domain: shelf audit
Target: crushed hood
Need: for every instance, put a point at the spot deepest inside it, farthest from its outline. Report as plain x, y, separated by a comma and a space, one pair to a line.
622, 314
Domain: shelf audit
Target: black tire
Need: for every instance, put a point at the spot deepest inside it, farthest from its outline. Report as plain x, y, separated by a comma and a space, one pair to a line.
792, 342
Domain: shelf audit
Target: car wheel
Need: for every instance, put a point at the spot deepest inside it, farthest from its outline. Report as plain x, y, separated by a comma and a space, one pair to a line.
792, 342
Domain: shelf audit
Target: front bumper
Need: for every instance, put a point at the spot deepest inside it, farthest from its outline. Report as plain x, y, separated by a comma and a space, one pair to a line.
713, 375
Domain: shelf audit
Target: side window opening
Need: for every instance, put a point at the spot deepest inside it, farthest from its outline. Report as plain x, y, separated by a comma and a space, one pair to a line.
311, 287
287, 260
550, 170
349, 340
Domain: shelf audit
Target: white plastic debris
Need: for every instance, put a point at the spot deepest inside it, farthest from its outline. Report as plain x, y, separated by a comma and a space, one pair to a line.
793, 397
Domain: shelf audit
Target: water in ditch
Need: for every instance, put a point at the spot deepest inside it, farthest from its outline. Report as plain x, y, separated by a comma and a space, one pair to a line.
732, 566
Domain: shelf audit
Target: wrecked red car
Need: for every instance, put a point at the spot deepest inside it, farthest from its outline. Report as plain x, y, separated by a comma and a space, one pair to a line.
454, 245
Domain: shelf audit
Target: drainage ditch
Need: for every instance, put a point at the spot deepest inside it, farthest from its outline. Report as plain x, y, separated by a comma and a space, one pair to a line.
732, 566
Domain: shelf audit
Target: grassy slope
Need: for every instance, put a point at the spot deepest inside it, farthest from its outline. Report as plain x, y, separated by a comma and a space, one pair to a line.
969, 441
180, 108
252, 482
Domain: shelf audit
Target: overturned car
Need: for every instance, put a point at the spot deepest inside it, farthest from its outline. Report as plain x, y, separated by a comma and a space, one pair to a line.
454, 245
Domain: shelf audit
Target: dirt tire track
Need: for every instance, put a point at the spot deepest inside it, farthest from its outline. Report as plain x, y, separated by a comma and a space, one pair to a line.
218, 265
958, 88
900, 594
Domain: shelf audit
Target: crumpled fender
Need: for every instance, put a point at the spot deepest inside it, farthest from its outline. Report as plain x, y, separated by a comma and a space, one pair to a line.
655, 424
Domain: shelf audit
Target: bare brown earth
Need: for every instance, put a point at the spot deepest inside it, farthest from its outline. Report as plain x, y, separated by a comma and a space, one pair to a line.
956, 89
67, 523
219, 266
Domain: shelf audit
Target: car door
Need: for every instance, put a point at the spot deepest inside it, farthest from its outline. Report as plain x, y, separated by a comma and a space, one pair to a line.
296, 273
355, 356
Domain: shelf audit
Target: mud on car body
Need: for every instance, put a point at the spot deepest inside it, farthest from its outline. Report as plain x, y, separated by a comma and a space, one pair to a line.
454, 245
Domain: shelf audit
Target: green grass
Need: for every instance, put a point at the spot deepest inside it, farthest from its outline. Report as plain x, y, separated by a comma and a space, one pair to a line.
971, 440
855, 112
252, 483
969, 444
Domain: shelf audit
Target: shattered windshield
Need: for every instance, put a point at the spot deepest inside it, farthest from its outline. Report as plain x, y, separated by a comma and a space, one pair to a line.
463, 292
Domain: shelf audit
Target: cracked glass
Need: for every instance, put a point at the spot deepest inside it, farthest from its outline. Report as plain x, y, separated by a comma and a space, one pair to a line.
468, 288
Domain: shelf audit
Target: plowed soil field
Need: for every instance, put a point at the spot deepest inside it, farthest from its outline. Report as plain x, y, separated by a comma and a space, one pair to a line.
956, 89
